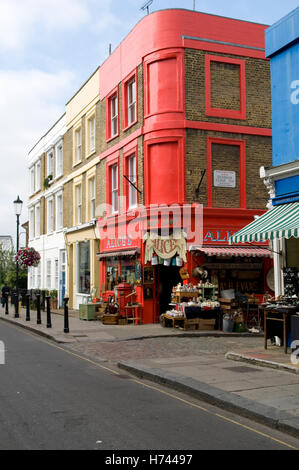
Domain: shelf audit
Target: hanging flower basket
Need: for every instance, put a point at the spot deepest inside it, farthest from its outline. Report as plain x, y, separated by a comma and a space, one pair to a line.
27, 257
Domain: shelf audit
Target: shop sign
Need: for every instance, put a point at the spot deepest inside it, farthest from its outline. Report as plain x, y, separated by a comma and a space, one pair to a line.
224, 179
122, 242
165, 247
217, 236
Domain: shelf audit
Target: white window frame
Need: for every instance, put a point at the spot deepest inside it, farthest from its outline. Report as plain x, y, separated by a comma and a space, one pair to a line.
50, 163
56, 274
37, 176
31, 223
37, 221
92, 133
131, 96
92, 197
50, 215
59, 158
132, 175
48, 274
59, 211
114, 188
32, 179
39, 276
78, 145
79, 204
114, 115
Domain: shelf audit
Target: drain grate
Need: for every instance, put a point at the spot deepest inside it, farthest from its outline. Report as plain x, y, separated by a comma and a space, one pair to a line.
242, 369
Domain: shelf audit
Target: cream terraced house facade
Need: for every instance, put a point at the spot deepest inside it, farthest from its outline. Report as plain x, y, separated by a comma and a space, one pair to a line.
45, 211
81, 191
64, 176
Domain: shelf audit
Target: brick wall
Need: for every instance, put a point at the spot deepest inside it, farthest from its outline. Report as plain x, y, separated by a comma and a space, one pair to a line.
258, 97
225, 157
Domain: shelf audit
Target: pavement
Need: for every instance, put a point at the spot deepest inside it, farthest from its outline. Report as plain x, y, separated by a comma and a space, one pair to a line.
230, 370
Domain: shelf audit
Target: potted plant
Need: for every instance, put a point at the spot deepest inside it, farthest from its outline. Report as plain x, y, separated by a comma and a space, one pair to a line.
27, 257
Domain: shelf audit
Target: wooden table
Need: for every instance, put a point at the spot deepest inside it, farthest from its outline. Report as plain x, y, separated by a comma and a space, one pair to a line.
174, 319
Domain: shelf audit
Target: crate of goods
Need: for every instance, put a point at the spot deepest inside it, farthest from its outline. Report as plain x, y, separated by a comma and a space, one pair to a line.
110, 319
206, 323
122, 321
87, 312
191, 324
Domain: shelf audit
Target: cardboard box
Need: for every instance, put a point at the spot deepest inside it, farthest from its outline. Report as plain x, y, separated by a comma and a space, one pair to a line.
206, 324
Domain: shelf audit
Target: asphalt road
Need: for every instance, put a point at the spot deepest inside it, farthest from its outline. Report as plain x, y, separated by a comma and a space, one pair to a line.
52, 398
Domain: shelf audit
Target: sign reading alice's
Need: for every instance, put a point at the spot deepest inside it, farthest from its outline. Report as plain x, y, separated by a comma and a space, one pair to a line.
165, 247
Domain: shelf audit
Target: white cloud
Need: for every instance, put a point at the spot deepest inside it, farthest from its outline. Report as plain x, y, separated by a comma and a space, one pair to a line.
30, 102
21, 19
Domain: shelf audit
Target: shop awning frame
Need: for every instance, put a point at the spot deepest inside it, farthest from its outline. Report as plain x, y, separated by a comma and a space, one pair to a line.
113, 254
242, 251
282, 221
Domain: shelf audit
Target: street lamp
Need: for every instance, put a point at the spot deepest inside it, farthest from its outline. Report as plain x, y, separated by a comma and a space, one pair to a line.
18, 209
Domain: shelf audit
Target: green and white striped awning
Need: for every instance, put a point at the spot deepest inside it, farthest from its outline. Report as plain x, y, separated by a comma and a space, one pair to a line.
279, 222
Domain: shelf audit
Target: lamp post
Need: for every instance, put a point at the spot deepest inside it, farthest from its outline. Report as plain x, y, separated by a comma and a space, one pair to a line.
18, 209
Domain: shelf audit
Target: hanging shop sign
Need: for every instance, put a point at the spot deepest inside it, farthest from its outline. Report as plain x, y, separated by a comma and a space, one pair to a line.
165, 247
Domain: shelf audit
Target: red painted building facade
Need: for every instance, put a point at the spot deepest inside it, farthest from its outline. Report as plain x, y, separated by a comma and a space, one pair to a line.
188, 121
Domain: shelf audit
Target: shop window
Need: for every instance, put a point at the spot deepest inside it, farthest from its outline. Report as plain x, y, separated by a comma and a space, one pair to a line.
83, 265
112, 267
128, 270
292, 251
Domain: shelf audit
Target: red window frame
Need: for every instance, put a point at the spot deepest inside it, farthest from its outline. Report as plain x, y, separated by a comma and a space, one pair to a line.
242, 168
129, 151
112, 94
125, 104
220, 112
111, 161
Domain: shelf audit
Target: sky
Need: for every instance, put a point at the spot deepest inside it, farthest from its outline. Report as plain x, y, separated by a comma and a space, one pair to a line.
49, 48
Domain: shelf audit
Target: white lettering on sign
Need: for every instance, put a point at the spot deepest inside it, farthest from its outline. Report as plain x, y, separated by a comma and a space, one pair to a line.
224, 179
295, 94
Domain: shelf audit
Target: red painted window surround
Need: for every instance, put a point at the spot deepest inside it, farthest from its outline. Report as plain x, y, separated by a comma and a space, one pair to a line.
111, 95
219, 112
125, 108
231, 128
129, 151
153, 93
242, 168
111, 161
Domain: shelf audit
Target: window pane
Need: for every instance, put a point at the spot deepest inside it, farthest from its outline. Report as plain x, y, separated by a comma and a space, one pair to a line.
92, 134
84, 267
111, 273
133, 179
128, 271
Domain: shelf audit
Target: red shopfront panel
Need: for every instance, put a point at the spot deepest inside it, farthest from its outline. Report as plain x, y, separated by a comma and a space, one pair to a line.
164, 82
164, 171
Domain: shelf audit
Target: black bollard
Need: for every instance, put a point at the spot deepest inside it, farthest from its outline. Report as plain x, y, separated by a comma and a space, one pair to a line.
17, 306
66, 315
27, 307
49, 325
38, 317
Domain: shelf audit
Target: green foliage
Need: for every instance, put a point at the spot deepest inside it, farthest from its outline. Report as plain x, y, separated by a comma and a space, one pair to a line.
8, 270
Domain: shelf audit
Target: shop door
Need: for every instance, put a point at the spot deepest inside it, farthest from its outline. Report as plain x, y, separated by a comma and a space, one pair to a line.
168, 277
